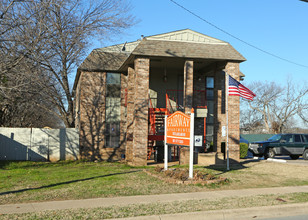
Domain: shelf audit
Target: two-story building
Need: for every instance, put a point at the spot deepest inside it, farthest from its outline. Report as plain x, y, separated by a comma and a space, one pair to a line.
123, 91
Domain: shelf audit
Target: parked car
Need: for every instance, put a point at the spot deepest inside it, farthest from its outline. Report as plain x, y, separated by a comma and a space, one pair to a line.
294, 145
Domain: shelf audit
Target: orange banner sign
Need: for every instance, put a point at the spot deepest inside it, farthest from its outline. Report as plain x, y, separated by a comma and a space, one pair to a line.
178, 129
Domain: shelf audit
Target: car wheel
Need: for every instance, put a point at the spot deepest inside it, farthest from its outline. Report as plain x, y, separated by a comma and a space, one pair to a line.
294, 157
305, 154
269, 153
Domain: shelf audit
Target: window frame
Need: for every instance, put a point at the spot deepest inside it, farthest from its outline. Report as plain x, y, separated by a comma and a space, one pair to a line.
112, 136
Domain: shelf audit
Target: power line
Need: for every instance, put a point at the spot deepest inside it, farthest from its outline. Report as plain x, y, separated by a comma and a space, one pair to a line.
233, 36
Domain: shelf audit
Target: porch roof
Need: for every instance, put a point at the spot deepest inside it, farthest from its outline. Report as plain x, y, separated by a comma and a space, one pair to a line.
163, 48
116, 59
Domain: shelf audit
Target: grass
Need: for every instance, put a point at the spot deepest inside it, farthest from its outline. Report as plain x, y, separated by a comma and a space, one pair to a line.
164, 208
38, 181
41, 181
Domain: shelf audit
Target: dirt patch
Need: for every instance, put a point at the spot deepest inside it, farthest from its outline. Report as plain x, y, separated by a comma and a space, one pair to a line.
181, 176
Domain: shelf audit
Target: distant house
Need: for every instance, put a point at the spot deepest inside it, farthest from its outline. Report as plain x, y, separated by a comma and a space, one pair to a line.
122, 92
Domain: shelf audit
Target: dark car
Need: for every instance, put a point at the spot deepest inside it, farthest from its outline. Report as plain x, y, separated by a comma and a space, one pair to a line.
294, 145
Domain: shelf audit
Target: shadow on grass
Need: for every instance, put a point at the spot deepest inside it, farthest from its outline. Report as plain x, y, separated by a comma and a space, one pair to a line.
234, 165
67, 182
10, 165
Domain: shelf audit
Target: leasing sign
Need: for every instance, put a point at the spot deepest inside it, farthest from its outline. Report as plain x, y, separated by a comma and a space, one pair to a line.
178, 129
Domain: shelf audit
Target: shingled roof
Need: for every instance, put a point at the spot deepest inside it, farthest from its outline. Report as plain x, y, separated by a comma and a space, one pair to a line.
99, 60
183, 43
187, 50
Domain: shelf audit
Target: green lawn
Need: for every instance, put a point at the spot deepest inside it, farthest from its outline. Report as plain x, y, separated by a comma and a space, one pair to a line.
41, 181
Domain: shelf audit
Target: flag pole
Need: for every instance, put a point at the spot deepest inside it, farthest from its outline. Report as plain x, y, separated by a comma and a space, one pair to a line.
227, 119
165, 146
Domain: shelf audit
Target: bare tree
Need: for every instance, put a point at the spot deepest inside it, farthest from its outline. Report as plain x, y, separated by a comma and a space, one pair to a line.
292, 103
250, 120
277, 105
54, 36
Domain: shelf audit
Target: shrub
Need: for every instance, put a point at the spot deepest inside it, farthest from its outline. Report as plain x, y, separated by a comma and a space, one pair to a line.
158, 169
243, 150
181, 174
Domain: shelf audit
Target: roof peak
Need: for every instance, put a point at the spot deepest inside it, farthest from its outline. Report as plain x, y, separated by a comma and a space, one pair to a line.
186, 35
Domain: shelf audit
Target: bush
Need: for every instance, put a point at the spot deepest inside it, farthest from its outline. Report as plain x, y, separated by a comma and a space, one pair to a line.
243, 150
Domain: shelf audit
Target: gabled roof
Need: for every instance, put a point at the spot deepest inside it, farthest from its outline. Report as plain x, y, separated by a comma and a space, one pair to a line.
186, 35
183, 43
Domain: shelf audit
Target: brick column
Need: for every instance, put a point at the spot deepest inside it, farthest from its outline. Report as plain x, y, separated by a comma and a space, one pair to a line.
142, 71
220, 108
130, 115
234, 115
123, 126
187, 101
188, 85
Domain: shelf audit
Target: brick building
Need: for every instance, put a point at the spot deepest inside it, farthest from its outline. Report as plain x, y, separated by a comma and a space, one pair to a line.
122, 92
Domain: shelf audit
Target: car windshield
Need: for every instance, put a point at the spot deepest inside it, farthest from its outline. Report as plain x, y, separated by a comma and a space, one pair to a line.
276, 137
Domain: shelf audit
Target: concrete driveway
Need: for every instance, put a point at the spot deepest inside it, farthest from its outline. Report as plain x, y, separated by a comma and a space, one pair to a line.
287, 159
284, 159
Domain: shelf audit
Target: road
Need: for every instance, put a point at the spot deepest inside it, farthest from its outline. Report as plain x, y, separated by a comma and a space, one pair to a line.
298, 217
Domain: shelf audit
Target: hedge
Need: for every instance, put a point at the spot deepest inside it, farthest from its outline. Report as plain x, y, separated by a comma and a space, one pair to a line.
243, 150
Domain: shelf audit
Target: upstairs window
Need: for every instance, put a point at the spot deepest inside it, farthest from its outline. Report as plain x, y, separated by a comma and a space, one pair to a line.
113, 109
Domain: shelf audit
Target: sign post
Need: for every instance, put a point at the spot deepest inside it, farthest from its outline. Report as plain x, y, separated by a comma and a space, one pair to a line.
179, 131
191, 145
166, 146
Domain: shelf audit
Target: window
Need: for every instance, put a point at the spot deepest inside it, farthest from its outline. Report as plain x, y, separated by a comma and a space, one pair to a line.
288, 138
210, 107
306, 137
210, 112
209, 88
210, 82
297, 138
113, 109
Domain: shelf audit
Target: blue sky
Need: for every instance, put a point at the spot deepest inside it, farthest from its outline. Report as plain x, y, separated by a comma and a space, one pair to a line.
278, 27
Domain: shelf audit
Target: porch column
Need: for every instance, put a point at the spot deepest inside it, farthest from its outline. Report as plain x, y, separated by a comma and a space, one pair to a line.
234, 115
140, 136
188, 85
220, 108
187, 101
130, 115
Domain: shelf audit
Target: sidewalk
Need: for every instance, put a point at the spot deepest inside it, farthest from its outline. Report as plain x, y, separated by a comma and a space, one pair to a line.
146, 199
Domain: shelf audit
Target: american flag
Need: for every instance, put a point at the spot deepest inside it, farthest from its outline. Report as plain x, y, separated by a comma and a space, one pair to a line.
237, 89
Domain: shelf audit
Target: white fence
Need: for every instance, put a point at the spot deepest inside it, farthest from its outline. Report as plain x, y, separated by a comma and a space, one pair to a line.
39, 144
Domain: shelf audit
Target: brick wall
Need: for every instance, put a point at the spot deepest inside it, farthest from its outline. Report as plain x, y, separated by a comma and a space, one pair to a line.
234, 115
92, 118
233, 109
92, 114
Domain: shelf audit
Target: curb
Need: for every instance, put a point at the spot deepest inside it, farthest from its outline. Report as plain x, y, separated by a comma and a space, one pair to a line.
277, 160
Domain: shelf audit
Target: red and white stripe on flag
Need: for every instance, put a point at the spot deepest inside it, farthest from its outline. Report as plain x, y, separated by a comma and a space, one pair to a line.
237, 89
